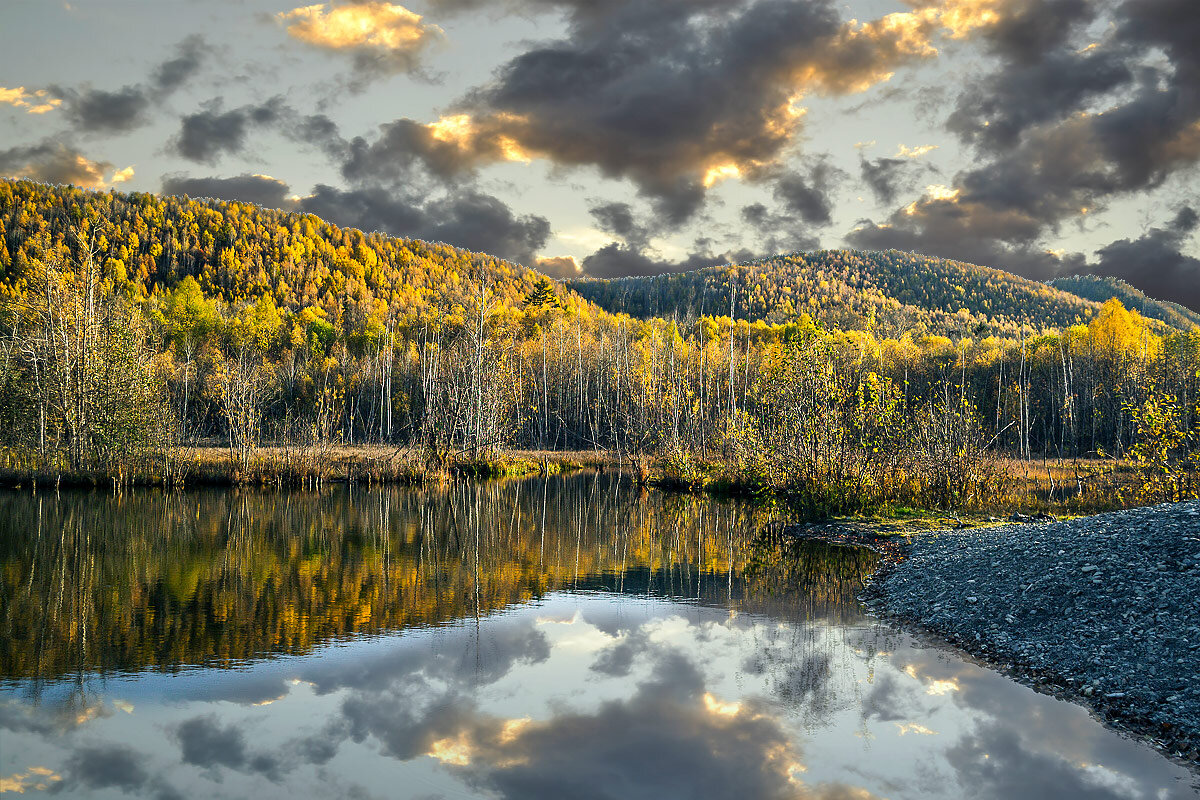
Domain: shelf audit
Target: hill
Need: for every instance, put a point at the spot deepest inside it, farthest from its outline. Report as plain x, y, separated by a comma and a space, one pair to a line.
239, 252
1102, 288
890, 292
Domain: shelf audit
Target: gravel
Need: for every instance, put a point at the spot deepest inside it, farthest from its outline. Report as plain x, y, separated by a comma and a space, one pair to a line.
1101, 610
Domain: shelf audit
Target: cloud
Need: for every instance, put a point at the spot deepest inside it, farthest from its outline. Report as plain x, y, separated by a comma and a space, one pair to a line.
673, 96
381, 37
994, 763
35, 102
883, 176
106, 766
261, 190
206, 744
997, 110
122, 175
559, 267
671, 738
807, 194
210, 133
1060, 131
465, 218
36, 778
177, 70
53, 161
1154, 261
915, 152
99, 111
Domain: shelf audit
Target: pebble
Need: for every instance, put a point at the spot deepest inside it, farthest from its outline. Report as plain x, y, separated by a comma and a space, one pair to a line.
1109, 600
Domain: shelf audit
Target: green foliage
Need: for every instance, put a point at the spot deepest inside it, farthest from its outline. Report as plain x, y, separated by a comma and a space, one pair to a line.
886, 292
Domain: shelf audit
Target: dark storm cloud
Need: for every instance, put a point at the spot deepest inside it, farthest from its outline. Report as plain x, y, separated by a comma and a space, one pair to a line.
668, 739
319, 131
206, 744
776, 233
210, 133
404, 145
998, 109
179, 69
53, 161
1048, 155
1153, 262
807, 194
620, 220
993, 762
99, 111
106, 766
467, 219
616, 260
258, 189
883, 176
662, 93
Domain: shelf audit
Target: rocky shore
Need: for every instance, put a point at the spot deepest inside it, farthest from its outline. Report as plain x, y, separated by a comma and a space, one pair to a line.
1102, 610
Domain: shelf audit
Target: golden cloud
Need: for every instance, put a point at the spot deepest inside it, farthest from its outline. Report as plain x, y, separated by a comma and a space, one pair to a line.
915, 152
373, 25
561, 267
37, 778
122, 175
37, 102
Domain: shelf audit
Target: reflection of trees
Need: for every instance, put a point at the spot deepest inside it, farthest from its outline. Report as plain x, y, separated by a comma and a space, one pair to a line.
816, 579
90, 582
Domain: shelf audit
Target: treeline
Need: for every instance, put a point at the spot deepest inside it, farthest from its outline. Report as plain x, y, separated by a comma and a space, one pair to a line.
105, 373
1102, 288
887, 293
154, 580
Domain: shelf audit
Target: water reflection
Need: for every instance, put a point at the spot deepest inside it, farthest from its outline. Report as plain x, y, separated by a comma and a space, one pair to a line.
527, 640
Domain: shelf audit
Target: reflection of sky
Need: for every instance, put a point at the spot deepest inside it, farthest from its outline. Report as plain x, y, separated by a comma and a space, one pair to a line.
580, 696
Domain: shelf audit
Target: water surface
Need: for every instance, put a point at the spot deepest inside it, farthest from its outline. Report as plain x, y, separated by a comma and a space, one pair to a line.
569, 638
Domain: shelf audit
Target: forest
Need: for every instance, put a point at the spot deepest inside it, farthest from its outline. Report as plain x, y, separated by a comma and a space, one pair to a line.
136, 326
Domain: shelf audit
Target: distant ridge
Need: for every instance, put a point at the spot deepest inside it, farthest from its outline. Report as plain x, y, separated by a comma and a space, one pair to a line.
889, 291
1101, 288
240, 251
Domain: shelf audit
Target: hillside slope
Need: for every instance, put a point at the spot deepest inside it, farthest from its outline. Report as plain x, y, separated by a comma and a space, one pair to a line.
890, 291
1101, 288
237, 251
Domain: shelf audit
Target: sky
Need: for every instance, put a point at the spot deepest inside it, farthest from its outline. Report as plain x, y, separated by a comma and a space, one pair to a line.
630, 137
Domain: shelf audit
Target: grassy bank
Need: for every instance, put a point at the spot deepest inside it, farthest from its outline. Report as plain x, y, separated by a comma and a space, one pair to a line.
997, 488
289, 466
1004, 486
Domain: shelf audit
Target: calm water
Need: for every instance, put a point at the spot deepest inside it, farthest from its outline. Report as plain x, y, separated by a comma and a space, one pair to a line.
571, 638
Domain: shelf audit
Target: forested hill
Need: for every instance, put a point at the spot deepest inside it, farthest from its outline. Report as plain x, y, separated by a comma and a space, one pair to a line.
358, 282
239, 252
890, 292
1101, 289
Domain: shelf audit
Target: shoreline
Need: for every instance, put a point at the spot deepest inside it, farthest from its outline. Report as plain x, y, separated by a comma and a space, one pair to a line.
1129, 698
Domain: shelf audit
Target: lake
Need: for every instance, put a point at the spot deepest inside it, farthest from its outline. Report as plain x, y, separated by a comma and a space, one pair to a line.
573, 637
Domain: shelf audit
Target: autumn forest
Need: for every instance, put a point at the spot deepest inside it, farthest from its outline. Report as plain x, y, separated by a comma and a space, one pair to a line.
137, 327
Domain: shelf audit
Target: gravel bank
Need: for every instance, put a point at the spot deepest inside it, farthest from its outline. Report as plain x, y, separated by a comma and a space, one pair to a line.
1103, 610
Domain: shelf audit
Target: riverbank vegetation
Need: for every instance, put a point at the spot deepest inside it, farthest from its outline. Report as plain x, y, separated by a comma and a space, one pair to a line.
134, 326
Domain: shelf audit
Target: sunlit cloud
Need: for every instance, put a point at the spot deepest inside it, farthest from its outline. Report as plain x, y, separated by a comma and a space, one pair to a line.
456, 751
715, 706
720, 172
36, 102
36, 778
561, 267
122, 175
914, 152
379, 25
